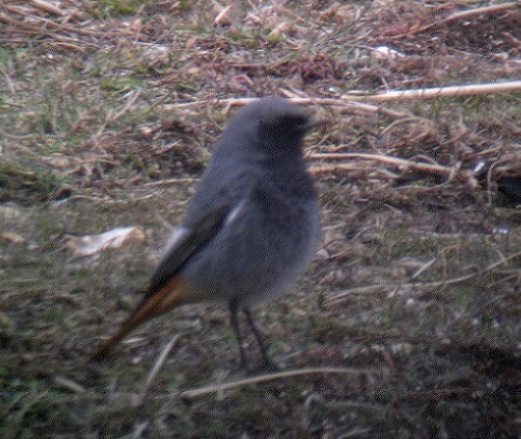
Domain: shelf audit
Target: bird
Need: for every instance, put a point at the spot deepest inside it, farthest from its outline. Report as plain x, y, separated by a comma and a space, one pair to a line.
250, 229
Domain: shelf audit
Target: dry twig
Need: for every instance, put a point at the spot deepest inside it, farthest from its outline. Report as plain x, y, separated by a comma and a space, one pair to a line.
356, 100
47, 7
443, 171
438, 92
462, 15
335, 299
271, 377
157, 366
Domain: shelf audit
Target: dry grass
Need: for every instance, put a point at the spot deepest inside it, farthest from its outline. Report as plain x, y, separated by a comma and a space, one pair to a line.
412, 303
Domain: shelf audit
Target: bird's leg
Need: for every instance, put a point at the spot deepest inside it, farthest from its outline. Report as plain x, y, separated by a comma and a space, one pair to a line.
234, 310
268, 362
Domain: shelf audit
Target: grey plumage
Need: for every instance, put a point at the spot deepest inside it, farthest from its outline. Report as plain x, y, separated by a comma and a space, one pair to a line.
252, 226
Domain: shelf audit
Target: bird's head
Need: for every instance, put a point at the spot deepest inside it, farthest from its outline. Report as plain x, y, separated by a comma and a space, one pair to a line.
273, 124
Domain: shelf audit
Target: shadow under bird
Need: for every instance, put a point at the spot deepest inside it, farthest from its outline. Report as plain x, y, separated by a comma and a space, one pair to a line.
250, 229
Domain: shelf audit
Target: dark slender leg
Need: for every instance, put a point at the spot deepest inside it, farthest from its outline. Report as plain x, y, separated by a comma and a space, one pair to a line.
268, 363
235, 326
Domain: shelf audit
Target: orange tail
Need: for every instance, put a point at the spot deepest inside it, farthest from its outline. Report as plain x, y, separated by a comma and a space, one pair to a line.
172, 294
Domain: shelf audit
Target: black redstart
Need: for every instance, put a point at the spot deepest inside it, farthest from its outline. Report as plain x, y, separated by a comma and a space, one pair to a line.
250, 229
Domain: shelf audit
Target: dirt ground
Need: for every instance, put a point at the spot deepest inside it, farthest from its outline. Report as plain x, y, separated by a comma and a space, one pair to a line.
408, 321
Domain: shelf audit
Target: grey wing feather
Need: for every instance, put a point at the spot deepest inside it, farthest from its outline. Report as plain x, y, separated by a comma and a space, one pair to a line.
197, 234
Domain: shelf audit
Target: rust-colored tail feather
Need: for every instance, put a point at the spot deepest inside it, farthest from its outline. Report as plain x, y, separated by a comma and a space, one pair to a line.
171, 295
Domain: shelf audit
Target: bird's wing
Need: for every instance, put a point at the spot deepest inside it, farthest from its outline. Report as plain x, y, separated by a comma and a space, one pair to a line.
185, 241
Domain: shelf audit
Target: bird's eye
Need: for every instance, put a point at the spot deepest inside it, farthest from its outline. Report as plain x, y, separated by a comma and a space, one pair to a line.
300, 123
